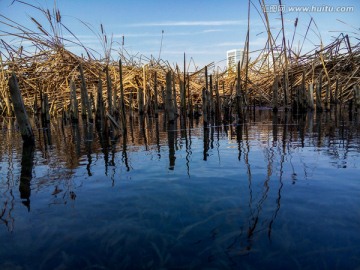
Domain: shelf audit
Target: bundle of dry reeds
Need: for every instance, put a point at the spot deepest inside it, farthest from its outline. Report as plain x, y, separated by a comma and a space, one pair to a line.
49, 67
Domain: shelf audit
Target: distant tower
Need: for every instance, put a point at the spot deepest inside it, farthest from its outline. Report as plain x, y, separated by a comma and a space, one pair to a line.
233, 57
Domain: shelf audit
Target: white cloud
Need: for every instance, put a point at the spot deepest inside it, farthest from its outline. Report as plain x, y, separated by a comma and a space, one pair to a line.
191, 23
227, 44
212, 30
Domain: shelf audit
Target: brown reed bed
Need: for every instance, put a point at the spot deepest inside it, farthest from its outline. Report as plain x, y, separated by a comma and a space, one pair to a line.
337, 62
50, 66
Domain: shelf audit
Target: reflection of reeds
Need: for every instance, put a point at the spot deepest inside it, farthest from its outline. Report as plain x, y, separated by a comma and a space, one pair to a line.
255, 213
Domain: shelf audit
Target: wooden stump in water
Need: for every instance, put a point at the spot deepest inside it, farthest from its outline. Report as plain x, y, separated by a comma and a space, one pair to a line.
109, 91
140, 100
174, 95
169, 105
92, 103
45, 115
35, 105
285, 90
9, 108
197, 111
275, 89
144, 90
227, 111
340, 94
204, 106
147, 104
85, 104
131, 105
206, 78
182, 98
27, 163
122, 99
155, 96
319, 107
100, 107
303, 96
356, 90
20, 111
211, 94
311, 97
74, 106
171, 144
239, 105
327, 103
336, 95
218, 102
190, 101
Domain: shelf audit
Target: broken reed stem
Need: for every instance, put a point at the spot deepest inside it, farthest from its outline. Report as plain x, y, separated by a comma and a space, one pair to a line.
109, 91
303, 100
131, 104
190, 101
183, 90
311, 96
20, 111
144, 91
356, 91
85, 105
100, 107
270, 37
35, 106
74, 106
245, 89
206, 78
336, 95
174, 94
92, 103
182, 99
169, 99
275, 89
45, 116
147, 100
155, 95
140, 100
340, 94
285, 58
204, 106
327, 103
319, 107
122, 98
238, 94
218, 105
211, 94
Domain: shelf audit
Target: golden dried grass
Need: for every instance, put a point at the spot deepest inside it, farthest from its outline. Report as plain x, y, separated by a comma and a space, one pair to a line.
49, 67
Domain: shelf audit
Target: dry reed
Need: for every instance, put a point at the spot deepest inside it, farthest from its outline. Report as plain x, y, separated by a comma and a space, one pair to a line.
50, 67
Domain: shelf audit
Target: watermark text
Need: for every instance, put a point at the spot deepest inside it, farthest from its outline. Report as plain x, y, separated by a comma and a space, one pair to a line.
312, 8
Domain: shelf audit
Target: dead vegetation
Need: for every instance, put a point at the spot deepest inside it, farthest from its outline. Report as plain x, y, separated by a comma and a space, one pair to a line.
48, 67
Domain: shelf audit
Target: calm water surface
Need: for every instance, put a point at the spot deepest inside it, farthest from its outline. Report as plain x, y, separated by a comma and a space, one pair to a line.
276, 193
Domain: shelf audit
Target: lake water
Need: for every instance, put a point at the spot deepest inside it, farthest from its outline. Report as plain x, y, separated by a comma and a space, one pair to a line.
279, 192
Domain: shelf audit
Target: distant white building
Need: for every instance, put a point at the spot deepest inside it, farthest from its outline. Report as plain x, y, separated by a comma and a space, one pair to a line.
233, 57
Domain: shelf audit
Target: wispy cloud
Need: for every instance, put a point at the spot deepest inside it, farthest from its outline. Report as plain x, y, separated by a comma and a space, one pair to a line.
212, 30
227, 44
190, 23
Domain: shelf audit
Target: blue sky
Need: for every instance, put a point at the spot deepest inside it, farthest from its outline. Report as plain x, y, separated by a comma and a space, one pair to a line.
205, 30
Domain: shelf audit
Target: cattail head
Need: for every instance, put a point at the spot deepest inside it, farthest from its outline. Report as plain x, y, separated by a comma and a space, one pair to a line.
58, 16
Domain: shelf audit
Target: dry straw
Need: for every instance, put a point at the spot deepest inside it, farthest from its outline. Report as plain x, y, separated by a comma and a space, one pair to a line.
49, 66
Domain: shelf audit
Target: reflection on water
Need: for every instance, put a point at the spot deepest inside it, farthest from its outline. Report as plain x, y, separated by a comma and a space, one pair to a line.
27, 162
278, 192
